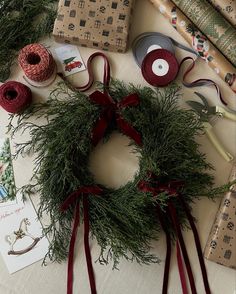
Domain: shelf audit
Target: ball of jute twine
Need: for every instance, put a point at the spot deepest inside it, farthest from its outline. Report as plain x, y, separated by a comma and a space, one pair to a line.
15, 96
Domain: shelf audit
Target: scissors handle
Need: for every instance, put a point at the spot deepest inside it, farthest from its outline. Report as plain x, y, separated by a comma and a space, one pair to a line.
225, 113
215, 141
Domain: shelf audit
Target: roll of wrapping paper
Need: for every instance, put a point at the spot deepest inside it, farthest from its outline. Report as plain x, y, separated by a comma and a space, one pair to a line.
227, 8
198, 41
211, 23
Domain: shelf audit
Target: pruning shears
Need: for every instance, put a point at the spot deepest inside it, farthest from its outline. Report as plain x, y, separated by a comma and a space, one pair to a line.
205, 112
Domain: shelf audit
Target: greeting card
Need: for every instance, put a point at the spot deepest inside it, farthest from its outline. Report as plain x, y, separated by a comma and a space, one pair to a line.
21, 239
7, 182
69, 59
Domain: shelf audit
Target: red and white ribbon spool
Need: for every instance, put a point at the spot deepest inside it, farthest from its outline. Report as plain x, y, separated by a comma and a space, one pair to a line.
38, 65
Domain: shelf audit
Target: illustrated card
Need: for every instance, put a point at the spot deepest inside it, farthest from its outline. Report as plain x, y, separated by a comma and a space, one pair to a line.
21, 240
7, 182
69, 59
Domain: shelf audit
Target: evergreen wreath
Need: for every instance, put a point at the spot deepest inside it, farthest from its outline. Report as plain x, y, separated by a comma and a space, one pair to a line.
124, 220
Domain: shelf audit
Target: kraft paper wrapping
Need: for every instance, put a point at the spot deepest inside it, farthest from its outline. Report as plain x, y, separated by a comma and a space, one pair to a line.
98, 24
221, 244
227, 8
198, 41
211, 23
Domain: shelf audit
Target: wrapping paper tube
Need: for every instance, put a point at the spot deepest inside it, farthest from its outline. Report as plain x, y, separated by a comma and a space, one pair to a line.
211, 23
221, 243
227, 8
198, 41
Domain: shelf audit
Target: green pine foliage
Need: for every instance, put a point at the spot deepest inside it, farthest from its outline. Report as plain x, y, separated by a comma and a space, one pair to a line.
22, 22
123, 221
7, 178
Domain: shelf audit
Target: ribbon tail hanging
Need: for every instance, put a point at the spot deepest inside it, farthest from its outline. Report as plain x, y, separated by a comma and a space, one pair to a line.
181, 269
99, 130
198, 246
177, 227
128, 130
72, 249
86, 246
75, 196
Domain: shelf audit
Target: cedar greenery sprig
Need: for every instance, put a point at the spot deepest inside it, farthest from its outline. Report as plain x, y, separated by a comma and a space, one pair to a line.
22, 22
123, 221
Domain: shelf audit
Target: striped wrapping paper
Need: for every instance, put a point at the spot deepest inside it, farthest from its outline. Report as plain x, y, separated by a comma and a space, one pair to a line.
198, 41
227, 8
215, 27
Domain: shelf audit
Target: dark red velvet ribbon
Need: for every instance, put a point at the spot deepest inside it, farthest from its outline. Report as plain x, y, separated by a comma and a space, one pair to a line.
83, 192
171, 188
112, 110
199, 82
181, 268
106, 75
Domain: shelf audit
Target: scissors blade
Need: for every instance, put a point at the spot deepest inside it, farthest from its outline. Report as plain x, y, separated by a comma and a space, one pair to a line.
199, 109
196, 106
204, 100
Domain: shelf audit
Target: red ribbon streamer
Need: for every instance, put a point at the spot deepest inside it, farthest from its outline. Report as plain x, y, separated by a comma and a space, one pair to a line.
106, 75
181, 269
198, 245
168, 249
112, 111
199, 82
174, 217
83, 192
171, 188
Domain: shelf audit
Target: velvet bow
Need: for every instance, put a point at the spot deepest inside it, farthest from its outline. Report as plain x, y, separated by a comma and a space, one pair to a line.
172, 189
74, 197
112, 110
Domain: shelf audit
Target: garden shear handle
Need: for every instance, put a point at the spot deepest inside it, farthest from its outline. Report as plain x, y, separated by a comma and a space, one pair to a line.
215, 141
225, 113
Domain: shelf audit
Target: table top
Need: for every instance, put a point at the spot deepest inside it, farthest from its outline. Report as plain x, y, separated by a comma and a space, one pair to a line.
120, 167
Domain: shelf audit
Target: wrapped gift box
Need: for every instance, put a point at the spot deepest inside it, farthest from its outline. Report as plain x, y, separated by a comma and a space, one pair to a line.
221, 244
100, 24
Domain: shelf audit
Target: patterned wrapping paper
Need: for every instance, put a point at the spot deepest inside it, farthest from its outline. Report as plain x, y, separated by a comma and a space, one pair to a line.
227, 8
98, 24
198, 41
221, 244
211, 23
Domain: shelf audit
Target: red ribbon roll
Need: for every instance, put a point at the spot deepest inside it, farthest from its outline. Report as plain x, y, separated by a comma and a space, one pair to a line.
36, 62
160, 67
15, 96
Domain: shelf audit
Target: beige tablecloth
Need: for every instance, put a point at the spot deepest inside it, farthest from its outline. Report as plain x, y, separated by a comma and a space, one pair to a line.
120, 165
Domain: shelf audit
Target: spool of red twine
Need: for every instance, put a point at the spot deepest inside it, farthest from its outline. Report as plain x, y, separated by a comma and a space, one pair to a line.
15, 96
36, 62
